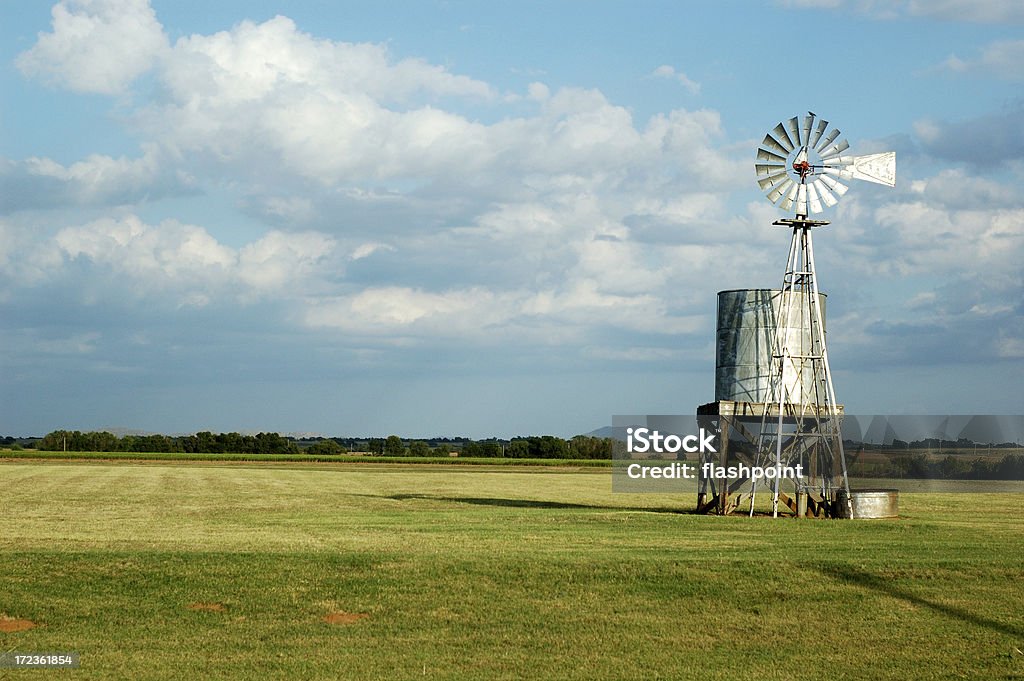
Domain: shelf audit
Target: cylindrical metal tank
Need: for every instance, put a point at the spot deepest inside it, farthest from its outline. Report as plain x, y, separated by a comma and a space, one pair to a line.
747, 321
868, 503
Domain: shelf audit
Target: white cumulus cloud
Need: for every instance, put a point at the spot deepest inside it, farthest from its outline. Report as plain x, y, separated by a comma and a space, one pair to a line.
189, 264
97, 45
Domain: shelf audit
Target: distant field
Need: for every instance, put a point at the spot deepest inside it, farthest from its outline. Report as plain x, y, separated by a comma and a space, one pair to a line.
457, 572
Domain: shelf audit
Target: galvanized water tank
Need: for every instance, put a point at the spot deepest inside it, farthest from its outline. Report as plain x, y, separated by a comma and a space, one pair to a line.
868, 503
746, 330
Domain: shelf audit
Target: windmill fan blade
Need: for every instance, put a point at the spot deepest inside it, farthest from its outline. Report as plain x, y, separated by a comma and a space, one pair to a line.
824, 193
768, 168
787, 203
835, 185
776, 193
841, 171
783, 137
812, 198
835, 149
794, 127
806, 130
772, 180
828, 139
817, 133
877, 168
765, 155
772, 144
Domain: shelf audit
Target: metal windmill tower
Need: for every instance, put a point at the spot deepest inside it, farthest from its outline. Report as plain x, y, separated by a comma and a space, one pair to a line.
799, 166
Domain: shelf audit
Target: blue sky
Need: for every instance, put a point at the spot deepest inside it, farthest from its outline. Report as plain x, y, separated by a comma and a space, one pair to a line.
471, 218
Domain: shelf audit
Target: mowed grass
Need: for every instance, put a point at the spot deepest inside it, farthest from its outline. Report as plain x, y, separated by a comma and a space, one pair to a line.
447, 572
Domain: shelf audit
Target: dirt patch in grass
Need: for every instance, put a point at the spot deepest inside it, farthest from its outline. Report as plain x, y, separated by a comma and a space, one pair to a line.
9, 625
208, 607
345, 617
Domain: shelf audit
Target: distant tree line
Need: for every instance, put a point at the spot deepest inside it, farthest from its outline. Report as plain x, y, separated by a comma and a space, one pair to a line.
542, 447
535, 447
393, 445
200, 443
933, 443
920, 466
11, 442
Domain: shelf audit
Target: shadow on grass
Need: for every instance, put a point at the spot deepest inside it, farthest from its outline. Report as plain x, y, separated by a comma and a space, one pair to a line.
534, 503
873, 582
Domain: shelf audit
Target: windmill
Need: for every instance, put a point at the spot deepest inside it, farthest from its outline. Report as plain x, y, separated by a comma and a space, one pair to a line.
775, 405
801, 167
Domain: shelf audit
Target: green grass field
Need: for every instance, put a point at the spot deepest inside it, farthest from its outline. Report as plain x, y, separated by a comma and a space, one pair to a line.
179, 570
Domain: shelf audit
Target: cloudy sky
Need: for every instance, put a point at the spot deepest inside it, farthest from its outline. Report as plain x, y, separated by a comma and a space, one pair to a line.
477, 218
